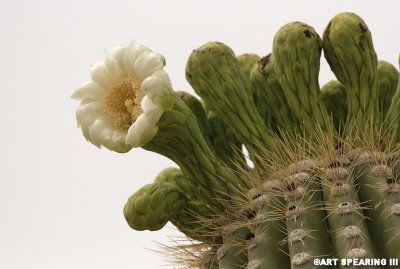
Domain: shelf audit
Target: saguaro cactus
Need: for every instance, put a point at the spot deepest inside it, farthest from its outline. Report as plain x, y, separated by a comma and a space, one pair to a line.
325, 179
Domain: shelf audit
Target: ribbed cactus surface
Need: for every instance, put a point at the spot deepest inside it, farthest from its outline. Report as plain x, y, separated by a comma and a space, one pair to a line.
325, 176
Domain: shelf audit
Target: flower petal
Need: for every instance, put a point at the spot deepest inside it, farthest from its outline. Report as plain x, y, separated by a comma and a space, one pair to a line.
118, 54
151, 110
141, 131
89, 90
100, 131
158, 87
113, 68
117, 143
132, 137
133, 51
159, 80
146, 129
87, 114
101, 75
147, 63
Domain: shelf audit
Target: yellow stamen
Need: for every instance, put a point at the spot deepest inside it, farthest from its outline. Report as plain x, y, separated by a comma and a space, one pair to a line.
122, 103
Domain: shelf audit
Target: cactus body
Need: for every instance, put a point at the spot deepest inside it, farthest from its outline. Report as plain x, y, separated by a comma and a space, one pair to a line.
325, 180
328, 199
325, 197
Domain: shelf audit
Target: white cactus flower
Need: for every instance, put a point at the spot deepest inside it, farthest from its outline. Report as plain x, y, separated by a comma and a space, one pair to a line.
123, 102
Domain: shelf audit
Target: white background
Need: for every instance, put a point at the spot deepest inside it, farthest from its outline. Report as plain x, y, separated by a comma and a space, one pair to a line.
61, 198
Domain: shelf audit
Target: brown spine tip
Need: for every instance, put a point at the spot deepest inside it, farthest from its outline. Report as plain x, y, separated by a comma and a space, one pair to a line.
262, 63
363, 28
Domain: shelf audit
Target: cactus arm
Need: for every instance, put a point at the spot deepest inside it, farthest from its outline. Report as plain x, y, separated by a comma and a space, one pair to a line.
193, 192
349, 50
186, 219
217, 134
296, 51
269, 97
246, 63
171, 197
388, 79
179, 138
198, 110
153, 205
334, 98
214, 73
392, 120
228, 147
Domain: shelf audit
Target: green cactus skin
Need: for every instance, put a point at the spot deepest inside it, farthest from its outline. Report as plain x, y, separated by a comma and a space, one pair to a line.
265, 249
349, 50
334, 98
171, 197
392, 120
297, 51
246, 62
380, 192
258, 92
228, 147
198, 110
186, 219
153, 205
337, 172
388, 79
214, 73
215, 181
347, 224
270, 99
231, 254
218, 135
305, 219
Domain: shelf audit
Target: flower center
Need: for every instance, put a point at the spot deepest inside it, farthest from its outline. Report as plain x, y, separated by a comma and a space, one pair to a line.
122, 103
